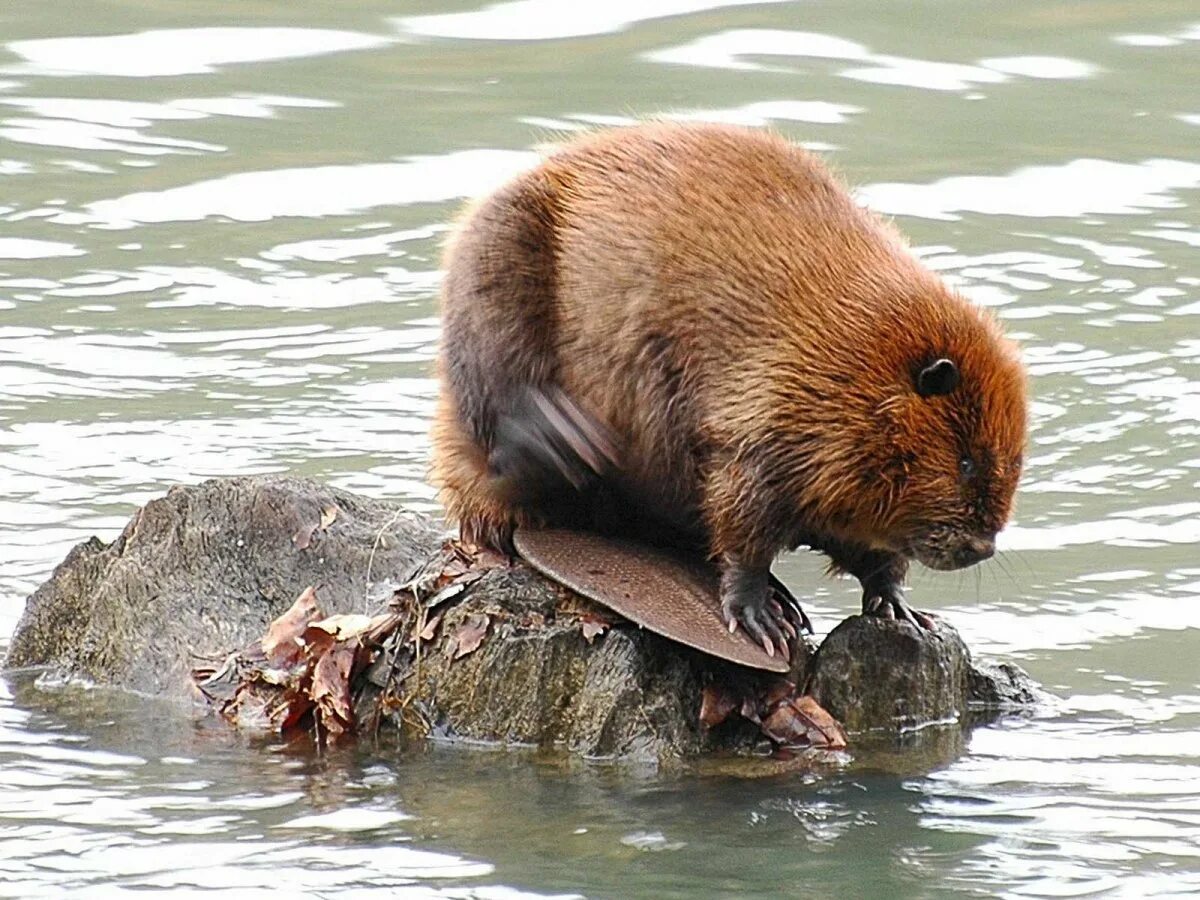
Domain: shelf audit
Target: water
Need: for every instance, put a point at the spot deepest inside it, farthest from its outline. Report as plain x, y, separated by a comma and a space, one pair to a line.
219, 231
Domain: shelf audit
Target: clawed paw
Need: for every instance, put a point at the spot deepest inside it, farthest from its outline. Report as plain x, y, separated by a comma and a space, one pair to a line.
774, 622
890, 604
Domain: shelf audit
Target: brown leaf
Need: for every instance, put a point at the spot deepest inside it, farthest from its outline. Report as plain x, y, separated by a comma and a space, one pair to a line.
259, 706
280, 644
456, 565
292, 710
344, 626
328, 514
777, 689
800, 722
430, 629
489, 559
469, 636
749, 710
316, 641
381, 626
716, 704
330, 689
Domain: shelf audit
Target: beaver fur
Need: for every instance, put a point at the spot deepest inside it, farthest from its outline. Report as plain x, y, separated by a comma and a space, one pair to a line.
694, 332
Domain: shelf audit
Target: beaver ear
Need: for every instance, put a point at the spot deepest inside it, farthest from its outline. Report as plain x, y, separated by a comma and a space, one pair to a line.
937, 378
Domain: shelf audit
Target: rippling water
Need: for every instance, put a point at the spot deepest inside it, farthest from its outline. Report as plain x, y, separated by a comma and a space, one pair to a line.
219, 229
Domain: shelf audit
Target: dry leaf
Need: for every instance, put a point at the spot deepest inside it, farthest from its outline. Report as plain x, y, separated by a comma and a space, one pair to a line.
331, 687
592, 627
316, 641
430, 629
456, 565
292, 710
778, 689
280, 644
800, 722
381, 626
446, 592
328, 514
470, 635
716, 704
749, 710
487, 558
344, 625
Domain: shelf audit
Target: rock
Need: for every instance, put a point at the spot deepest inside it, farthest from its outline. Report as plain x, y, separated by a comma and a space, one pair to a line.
1002, 687
536, 680
873, 673
201, 572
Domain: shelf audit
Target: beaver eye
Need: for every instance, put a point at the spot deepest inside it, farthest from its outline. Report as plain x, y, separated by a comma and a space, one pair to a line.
966, 467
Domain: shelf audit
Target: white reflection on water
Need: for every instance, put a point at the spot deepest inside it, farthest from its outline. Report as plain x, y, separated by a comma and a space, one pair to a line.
1065, 190
113, 125
534, 20
180, 51
26, 248
91, 136
736, 49
763, 112
819, 112
1081, 803
1039, 66
312, 192
347, 249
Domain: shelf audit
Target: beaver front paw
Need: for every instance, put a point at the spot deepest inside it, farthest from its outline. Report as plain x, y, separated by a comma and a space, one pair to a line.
887, 601
757, 601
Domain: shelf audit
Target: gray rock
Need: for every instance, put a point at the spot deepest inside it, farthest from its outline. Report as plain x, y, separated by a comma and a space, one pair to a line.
536, 680
873, 673
201, 572
1002, 687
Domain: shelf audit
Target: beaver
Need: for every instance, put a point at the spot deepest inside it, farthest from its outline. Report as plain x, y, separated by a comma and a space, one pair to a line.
693, 332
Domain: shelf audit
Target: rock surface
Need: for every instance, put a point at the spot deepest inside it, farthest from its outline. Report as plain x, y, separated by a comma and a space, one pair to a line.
201, 572
928, 675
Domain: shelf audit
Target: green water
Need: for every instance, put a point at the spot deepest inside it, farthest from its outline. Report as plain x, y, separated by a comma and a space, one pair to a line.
219, 228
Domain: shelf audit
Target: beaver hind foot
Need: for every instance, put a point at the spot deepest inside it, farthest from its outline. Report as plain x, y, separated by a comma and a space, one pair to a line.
545, 439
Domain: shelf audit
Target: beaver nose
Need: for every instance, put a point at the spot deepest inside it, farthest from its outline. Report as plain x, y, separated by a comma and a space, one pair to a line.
976, 550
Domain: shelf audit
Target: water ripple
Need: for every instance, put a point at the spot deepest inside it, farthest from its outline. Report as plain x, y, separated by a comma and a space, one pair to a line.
179, 51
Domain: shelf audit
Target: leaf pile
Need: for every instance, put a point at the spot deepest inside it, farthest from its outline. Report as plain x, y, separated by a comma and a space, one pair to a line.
310, 670
301, 669
792, 722
307, 667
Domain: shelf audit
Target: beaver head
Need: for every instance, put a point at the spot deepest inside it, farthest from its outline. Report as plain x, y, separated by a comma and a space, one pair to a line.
951, 435
922, 443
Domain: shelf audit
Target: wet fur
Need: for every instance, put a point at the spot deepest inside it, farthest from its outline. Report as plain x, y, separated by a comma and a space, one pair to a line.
747, 335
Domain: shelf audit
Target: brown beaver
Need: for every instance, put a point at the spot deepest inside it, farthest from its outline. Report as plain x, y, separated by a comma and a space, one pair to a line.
694, 333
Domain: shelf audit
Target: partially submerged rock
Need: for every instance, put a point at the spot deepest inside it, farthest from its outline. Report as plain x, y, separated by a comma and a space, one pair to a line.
510, 657
926, 673
204, 569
